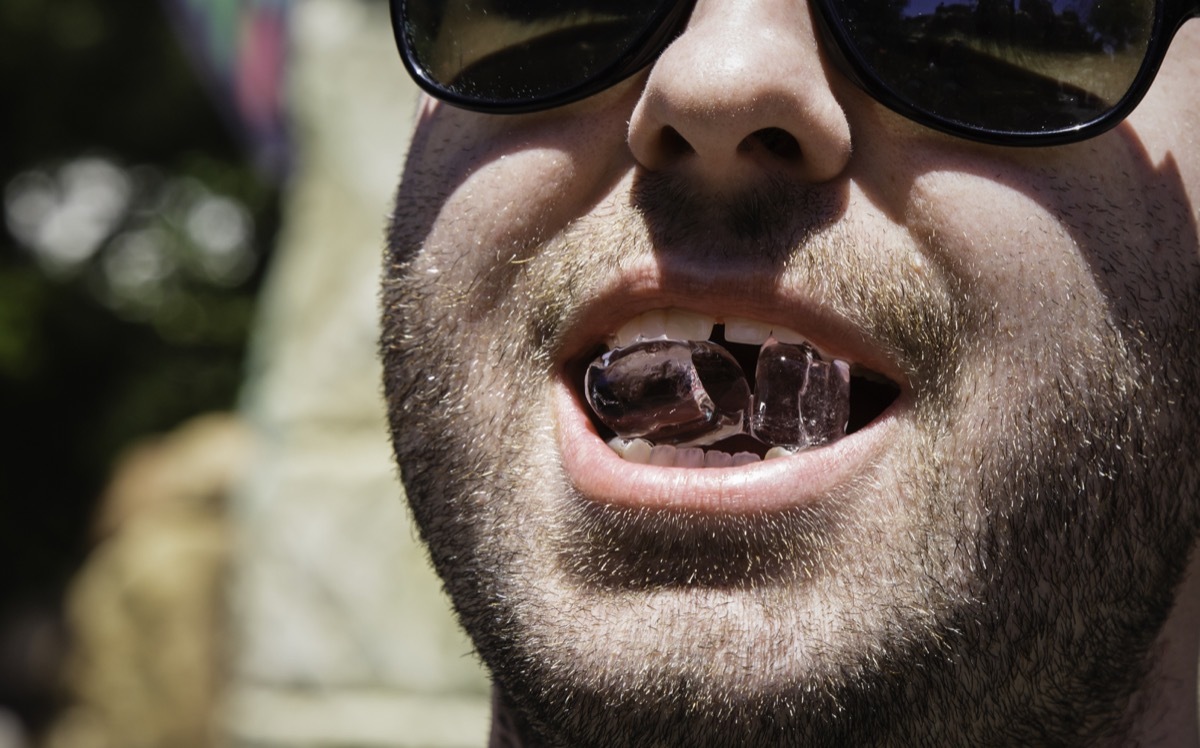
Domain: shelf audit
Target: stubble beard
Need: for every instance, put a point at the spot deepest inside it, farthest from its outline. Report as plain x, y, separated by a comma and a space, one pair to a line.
1011, 564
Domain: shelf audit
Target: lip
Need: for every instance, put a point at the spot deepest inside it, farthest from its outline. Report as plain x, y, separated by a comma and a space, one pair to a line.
602, 476
599, 474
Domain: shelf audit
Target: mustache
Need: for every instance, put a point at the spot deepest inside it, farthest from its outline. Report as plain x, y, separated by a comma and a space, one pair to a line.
770, 213
782, 235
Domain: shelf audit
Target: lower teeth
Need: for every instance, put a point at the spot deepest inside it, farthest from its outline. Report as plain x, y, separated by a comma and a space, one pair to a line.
666, 398
666, 455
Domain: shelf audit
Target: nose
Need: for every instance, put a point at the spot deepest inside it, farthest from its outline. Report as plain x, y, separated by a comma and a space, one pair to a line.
742, 94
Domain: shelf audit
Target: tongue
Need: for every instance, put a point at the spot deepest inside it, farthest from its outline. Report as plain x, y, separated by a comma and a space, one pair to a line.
694, 393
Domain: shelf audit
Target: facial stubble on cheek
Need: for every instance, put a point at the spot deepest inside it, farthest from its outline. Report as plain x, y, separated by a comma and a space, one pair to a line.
544, 581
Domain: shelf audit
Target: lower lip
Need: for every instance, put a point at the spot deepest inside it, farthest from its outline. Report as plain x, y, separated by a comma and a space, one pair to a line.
601, 475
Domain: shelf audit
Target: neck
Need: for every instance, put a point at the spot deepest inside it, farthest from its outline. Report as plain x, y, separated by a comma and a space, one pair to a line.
1165, 708
508, 728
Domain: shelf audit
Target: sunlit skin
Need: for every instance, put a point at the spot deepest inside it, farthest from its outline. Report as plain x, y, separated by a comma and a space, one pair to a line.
1004, 557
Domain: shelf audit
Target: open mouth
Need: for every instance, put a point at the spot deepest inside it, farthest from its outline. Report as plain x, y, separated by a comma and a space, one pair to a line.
676, 388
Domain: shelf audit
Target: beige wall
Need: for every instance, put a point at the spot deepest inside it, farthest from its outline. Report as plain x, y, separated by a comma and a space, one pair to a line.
341, 635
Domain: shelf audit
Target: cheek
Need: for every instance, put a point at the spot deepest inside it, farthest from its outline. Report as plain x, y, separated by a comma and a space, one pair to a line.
1018, 264
508, 184
509, 204
1100, 228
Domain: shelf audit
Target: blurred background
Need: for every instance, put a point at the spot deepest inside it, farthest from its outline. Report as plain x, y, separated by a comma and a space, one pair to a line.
202, 539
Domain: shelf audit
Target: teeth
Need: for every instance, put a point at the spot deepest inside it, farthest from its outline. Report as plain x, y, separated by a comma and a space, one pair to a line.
663, 455
753, 332
632, 450
715, 458
689, 457
784, 335
681, 325
776, 452
646, 326
643, 452
675, 324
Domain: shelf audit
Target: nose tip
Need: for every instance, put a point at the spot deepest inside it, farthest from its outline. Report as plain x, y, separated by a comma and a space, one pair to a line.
742, 93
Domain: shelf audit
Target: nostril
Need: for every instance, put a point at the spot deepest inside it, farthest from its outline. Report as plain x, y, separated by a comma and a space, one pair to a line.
674, 144
775, 140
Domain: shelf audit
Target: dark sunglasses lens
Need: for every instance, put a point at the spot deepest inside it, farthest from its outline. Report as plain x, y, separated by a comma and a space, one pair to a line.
521, 50
1016, 66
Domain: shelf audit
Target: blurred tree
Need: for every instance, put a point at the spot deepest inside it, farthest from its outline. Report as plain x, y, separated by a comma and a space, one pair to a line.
133, 241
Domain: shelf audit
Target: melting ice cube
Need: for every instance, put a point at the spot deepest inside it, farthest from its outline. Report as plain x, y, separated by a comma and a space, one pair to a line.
675, 392
799, 399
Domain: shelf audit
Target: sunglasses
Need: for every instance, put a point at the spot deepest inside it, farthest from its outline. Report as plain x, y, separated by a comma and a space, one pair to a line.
1006, 72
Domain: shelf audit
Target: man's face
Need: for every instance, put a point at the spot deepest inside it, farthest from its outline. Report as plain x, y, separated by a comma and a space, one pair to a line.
991, 551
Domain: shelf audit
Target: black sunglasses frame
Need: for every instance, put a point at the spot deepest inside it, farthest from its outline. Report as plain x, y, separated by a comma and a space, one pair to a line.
669, 22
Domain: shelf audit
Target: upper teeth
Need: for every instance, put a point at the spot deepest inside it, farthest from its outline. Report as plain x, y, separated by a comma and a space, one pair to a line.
679, 324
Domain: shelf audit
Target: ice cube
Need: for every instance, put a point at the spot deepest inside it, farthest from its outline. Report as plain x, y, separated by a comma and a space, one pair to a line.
799, 399
825, 402
677, 392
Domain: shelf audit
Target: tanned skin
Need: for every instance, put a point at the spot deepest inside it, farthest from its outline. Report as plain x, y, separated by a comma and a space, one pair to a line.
1005, 557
